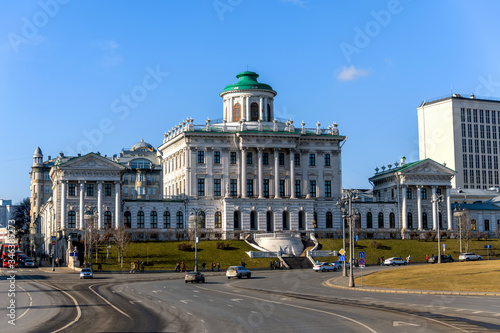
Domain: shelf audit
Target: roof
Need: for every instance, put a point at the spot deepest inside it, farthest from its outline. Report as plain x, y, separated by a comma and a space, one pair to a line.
142, 145
407, 166
38, 152
248, 80
475, 206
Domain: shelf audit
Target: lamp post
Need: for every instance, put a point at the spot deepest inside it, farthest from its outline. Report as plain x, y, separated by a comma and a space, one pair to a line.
346, 200
196, 212
437, 199
344, 216
460, 214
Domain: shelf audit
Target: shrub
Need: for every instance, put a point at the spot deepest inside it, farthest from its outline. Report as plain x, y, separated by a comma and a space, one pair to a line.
222, 246
376, 245
184, 247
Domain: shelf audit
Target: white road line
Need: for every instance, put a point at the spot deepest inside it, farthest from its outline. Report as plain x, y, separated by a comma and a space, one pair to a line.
189, 313
476, 312
108, 302
230, 306
173, 307
29, 306
496, 315
78, 310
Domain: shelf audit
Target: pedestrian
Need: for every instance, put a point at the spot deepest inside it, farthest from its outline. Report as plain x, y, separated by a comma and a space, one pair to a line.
281, 264
243, 264
183, 266
275, 264
218, 267
132, 265
213, 266
99, 268
203, 264
142, 267
426, 257
271, 265
382, 261
378, 260
177, 267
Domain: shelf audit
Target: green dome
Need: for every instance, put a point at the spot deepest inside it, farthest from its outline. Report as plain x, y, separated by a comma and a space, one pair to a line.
248, 80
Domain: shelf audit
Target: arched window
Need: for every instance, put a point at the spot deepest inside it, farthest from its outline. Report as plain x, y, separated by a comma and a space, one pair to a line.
218, 220
369, 220
315, 222
153, 221
286, 221
236, 220
254, 112
201, 220
380, 220
269, 221
140, 219
127, 217
166, 219
179, 220
237, 112
269, 113
71, 219
329, 220
253, 220
410, 220
302, 218
107, 219
140, 163
425, 224
392, 220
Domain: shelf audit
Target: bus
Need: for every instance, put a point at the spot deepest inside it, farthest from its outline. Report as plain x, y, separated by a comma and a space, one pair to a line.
10, 252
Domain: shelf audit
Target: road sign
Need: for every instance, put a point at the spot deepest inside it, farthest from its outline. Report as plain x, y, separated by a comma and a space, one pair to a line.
444, 247
361, 262
73, 254
53, 243
355, 238
53, 238
361, 255
341, 258
487, 246
342, 252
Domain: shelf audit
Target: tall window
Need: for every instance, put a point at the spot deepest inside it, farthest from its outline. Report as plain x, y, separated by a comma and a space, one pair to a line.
232, 158
179, 220
315, 222
127, 219
328, 188
254, 112
265, 158
486, 225
425, 224
107, 219
269, 112
297, 189
201, 221
201, 157
71, 219
140, 219
301, 220
107, 190
218, 220
253, 220
236, 112
217, 187
312, 188
329, 220
327, 160
216, 157
201, 187
233, 187
265, 188
71, 190
249, 158
153, 220
392, 220
410, 220
90, 190
250, 187
380, 220
286, 221
281, 158
312, 159
166, 219
236, 220
408, 193
424, 194
296, 159
369, 220
282, 187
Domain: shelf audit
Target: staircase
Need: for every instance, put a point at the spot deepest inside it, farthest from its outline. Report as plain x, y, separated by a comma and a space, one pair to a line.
298, 262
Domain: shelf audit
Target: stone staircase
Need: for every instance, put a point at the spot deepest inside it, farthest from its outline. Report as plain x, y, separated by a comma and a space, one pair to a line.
298, 262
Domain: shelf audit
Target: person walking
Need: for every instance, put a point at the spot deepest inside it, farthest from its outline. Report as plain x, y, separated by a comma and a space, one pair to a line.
203, 264
142, 267
271, 265
426, 257
183, 266
177, 267
218, 267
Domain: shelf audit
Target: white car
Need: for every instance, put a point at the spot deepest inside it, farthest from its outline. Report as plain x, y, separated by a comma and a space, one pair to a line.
86, 273
325, 267
28, 262
469, 256
238, 272
394, 261
341, 263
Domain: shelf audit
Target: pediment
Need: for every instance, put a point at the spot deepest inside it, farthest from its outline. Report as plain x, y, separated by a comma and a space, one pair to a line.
92, 161
428, 167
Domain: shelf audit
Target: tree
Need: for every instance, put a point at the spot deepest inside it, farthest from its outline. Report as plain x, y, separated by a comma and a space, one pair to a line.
22, 217
122, 239
463, 227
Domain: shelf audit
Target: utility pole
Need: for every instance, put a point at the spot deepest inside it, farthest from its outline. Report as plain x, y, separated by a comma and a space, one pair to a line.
345, 203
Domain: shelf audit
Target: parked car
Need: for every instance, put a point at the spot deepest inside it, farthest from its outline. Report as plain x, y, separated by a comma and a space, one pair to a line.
194, 277
444, 258
394, 261
325, 266
238, 272
340, 264
469, 256
28, 262
86, 273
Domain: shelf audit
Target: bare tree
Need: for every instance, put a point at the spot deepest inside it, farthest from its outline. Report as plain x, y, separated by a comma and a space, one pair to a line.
21, 215
464, 227
122, 239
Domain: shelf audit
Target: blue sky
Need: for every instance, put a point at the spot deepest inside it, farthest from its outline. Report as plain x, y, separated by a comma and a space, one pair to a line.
66, 68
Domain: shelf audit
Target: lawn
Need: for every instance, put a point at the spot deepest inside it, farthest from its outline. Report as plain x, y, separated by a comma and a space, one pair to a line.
477, 276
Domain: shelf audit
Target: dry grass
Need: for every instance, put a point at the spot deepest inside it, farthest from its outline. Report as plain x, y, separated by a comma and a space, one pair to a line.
479, 276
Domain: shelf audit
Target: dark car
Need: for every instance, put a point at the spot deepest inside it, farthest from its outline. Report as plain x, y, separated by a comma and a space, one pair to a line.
194, 277
444, 258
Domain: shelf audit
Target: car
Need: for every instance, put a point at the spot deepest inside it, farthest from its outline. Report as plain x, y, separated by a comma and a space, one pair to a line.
86, 273
444, 258
394, 261
469, 256
194, 277
325, 267
340, 264
238, 272
28, 262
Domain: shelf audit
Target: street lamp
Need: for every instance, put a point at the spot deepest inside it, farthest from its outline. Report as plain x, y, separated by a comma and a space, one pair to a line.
438, 199
346, 200
196, 212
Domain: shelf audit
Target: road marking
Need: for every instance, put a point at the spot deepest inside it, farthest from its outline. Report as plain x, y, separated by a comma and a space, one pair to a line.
78, 310
29, 306
185, 301
476, 312
132, 302
195, 295
211, 300
236, 300
496, 315
402, 323
157, 291
230, 306
196, 291
458, 310
173, 307
108, 302
189, 313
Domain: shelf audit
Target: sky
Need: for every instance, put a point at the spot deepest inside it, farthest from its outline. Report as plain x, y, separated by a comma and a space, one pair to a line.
81, 76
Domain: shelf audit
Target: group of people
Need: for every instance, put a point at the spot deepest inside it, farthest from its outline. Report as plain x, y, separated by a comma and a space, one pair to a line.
273, 265
215, 267
180, 267
137, 267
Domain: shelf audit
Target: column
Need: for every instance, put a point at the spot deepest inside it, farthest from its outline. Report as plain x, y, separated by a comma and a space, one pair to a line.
403, 209
63, 204
82, 212
192, 163
260, 179
117, 205
434, 209
305, 172
230, 116
276, 174
247, 111
225, 172
243, 111
99, 205
243, 173
321, 181
261, 109
292, 174
448, 209
209, 179
419, 206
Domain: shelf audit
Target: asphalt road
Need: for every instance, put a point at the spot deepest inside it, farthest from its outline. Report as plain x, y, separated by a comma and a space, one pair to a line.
272, 301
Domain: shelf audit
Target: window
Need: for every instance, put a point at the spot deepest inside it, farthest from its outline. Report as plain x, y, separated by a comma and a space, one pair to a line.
265, 188
127, 219
140, 219
71, 190
47, 189
327, 160
153, 221
140, 163
328, 188
282, 187
281, 158
217, 187
250, 187
180, 220
369, 220
486, 225
301, 220
315, 218
265, 158
438, 191
125, 190
132, 178
201, 157
254, 112
409, 218
233, 187
425, 223
286, 221
107, 190
107, 219
253, 220
90, 190
201, 187
392, 220
408, 193
233, 157
140, 177
312, 159
237, 112
296, 159
423, 194
218, 220
216, 157
329, 220
154, 190
249, 158
297, 189
312, 188
380, 220
166, 219
201, 220
71, 219
236, 220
